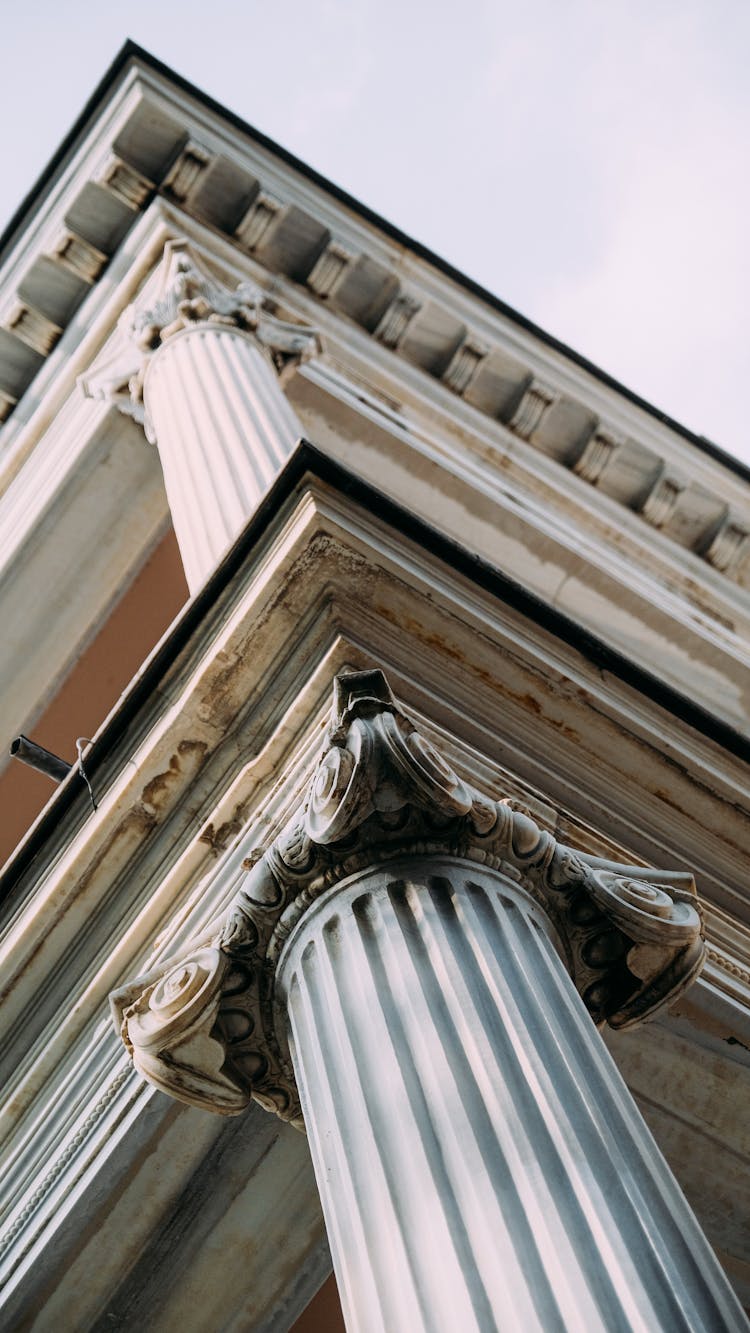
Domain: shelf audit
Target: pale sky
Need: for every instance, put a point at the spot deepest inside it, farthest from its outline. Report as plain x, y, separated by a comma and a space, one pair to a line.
586, 160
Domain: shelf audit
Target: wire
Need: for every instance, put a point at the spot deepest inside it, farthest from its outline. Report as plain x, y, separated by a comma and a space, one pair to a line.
81, 741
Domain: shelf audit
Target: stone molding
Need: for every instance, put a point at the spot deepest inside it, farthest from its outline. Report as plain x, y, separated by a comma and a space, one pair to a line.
187, 295
61, 1163
395, 321
596, 453
464, 364
536, 400
203, 1027
31, 326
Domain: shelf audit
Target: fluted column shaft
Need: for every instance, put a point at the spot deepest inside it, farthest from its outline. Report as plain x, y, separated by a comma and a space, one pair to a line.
480, 1161
224, 430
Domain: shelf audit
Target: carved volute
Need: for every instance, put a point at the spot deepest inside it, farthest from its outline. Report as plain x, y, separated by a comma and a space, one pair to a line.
188, 296
204, 1028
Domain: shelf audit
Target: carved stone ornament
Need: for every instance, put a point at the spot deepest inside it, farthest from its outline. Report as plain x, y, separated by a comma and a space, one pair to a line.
203, 1026
187, 295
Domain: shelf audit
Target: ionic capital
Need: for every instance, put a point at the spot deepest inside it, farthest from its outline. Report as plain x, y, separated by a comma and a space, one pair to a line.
204, 1026
187, 295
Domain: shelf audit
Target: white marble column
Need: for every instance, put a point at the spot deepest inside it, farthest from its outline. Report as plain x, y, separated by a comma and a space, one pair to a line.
203, 367
435, 964
481, 1164
224, 430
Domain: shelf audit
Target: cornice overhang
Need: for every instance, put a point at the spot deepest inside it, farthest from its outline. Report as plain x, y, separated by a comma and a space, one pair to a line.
147, 134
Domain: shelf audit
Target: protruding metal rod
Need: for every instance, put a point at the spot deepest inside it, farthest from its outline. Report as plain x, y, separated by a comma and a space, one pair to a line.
37, 757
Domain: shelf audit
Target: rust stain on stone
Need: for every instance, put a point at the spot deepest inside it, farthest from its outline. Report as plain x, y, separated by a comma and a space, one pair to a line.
528, 701
531, 703
218, 839
156, 792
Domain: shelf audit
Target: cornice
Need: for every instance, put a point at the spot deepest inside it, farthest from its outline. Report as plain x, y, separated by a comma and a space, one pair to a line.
153, 135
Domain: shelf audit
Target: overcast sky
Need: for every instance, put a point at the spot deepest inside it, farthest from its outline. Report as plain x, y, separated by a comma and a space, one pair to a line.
586, 160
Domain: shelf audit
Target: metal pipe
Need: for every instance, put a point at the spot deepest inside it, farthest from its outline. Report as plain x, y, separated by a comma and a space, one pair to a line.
37, 757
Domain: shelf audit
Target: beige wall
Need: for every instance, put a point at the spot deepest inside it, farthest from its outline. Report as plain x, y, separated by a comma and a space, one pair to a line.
95, 683
323, 1314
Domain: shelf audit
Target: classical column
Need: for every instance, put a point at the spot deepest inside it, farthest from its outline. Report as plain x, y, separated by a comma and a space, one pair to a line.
205, 375
480, 1162
424, 969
